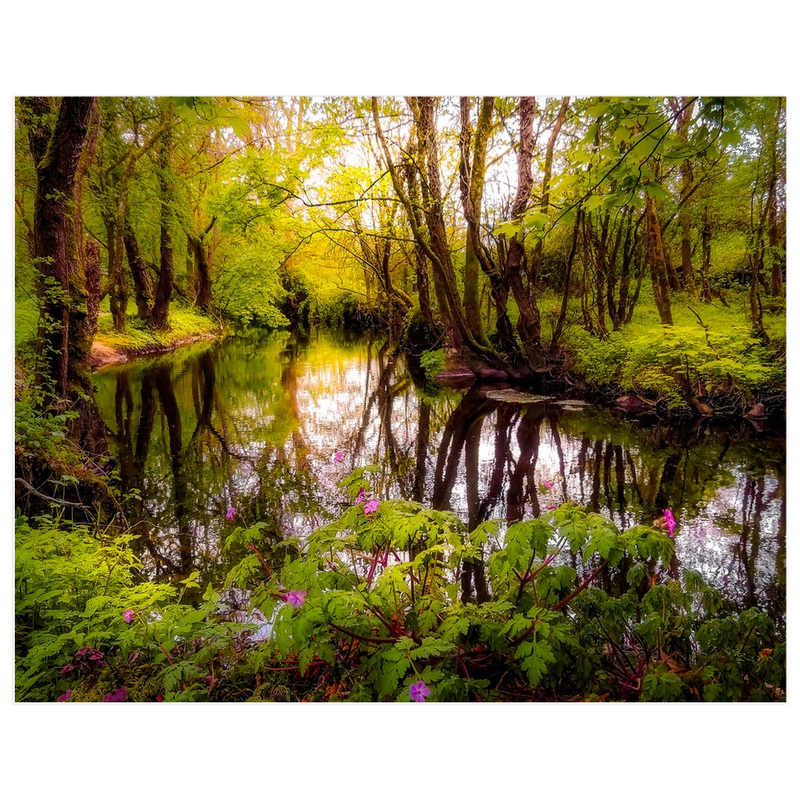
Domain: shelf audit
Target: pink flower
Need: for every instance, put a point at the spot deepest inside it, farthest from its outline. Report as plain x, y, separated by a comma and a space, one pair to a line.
551, 506
371, 507
128, 615
670, 522
361, 496
548, 484
419, 691
117, 696
338, 457
64, 697
230, 514
295, 598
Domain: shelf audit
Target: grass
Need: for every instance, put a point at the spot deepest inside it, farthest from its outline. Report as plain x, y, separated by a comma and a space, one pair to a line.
183, 323
721, 356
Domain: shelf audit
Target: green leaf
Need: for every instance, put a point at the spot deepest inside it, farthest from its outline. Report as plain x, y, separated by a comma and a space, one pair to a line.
507, 229
657, 191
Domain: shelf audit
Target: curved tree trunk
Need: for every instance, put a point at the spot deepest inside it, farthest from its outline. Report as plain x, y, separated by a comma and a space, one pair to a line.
658, 265
65, 329
141, 281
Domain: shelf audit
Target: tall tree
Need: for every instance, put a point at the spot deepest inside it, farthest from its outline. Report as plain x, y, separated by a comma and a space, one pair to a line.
166, 274
56, 143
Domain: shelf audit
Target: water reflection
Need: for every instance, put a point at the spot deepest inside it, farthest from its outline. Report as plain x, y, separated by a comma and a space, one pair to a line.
253, 424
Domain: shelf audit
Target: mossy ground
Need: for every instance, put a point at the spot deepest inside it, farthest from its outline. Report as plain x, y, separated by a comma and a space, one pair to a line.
184, 322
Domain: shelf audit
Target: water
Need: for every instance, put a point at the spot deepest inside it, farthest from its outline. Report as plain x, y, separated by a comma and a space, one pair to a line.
253, 423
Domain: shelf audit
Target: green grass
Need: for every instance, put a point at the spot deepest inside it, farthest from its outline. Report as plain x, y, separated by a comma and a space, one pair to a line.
183, 322
724, 360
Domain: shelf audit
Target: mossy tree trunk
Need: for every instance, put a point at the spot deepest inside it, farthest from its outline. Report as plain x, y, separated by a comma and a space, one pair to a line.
166, 274
138, 267
658, 264
65, 328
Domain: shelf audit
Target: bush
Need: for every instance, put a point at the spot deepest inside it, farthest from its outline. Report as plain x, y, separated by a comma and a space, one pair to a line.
345, 310
667, 361
371, 611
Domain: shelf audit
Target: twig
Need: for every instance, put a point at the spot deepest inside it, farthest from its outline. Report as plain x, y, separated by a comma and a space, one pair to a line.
48, 498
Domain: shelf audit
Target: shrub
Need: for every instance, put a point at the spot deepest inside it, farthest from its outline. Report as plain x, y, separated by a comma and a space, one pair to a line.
371, 610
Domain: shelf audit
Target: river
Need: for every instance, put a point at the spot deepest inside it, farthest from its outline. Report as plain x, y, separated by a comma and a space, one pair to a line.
253, 423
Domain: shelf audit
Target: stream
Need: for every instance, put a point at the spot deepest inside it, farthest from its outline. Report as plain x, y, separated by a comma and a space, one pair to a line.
253, 423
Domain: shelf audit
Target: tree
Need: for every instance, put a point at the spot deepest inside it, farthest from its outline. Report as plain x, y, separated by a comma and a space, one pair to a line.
65, 332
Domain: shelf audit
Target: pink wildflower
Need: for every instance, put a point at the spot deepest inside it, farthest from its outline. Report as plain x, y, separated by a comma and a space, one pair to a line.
338, 457
230, 514
361, 496
548, 484
551, 506
64, 697
117, 696
128, 615
419, 691
669, 517
371, 507
295, 598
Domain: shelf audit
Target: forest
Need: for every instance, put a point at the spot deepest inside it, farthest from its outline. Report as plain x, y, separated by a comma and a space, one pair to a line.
400, 398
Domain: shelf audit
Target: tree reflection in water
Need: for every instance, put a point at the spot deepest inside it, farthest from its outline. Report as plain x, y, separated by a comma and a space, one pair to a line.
253, 423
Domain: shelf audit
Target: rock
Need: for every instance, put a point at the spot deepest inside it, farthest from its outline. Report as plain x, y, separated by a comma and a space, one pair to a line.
104, 356
460, 376
757, 412
632, 404
514, 396
571, 405
491, 374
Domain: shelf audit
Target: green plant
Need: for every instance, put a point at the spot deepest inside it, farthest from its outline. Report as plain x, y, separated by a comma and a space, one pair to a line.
373, 608
433, 362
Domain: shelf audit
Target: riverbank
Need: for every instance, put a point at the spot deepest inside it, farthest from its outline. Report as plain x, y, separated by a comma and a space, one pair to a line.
186, 326
709, 362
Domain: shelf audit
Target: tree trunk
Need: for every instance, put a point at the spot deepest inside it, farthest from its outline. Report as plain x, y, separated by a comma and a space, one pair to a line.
528, 323
158, 316
472, 178
141, 281
776, 237
687, 181
705, 270
658, 265
93, 281
202, 271
65, 331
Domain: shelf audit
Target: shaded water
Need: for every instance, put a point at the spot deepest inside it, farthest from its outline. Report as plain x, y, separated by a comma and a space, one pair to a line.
253, 423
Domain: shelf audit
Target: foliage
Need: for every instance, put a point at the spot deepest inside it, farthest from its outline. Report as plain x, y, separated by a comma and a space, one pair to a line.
433, 362
372, 607
346, 310
249, 292
184, 322
74, 589
717, 355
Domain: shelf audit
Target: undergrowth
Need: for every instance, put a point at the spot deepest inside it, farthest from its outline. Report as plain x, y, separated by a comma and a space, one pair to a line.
575, 610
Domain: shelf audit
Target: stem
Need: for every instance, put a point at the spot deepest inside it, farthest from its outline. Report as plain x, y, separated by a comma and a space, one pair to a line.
558, 606
264, 564
372, 639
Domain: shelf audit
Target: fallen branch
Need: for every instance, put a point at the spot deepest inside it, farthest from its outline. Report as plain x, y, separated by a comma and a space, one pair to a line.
39, 494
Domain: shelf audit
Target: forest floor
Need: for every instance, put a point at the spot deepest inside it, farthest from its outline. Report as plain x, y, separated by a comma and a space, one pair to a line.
186, 326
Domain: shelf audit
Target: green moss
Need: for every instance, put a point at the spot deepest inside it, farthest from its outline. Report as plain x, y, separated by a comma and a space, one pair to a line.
138, 337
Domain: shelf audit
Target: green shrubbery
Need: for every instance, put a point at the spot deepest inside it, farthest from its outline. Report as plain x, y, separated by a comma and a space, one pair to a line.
372, 611
343, 309
720, 357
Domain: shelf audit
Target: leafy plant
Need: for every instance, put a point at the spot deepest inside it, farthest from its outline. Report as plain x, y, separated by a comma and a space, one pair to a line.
372, 610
